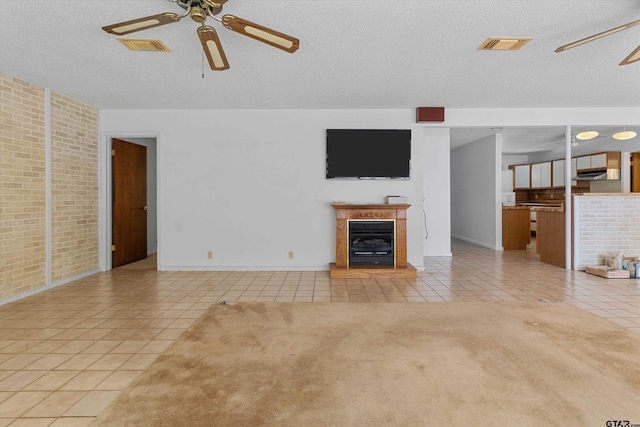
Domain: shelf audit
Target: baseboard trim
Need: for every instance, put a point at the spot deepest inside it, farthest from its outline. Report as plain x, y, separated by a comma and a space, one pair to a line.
435, 254
475, 242
242, 268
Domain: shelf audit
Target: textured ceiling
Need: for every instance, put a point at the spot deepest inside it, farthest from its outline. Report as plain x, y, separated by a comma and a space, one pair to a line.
365, 54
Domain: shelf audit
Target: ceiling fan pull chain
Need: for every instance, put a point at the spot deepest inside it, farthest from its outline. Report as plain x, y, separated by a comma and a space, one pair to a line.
202, 52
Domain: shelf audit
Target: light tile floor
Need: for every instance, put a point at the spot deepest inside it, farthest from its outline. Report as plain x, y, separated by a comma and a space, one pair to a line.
65, 354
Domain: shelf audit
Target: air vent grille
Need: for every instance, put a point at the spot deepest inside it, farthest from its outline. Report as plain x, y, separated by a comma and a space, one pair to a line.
495, 43
145, 44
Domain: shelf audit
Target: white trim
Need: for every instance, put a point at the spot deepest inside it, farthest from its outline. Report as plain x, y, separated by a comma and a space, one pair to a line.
484, 245
498, 191
257, 268
246, 268
105, 189
435, 254
567, 199
48, 208
31, 292
625, 171
576, 233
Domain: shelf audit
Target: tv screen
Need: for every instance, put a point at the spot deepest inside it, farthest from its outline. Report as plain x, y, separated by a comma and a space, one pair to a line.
368, 153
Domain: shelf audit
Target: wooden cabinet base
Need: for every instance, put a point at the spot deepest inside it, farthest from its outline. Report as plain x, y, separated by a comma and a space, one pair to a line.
408, 272
550, 241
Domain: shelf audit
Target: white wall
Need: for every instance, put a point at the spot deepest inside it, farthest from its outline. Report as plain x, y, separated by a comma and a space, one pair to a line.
475, 192
437, 192
250, 185
513, 159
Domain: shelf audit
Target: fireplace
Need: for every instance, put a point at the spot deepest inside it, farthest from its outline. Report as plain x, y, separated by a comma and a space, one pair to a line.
371, 242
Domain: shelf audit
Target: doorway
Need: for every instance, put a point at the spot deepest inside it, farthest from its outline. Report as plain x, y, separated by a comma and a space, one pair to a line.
133, 197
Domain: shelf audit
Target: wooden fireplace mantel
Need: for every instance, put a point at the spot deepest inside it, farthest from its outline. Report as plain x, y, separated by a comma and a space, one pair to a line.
346, 212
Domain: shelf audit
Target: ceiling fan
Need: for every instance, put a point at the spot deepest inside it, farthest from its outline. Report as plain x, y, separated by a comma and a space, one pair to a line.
633, 56
577, 140
199, 10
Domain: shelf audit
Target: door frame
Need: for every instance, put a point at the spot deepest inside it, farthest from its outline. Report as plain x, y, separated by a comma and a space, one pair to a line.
105, 201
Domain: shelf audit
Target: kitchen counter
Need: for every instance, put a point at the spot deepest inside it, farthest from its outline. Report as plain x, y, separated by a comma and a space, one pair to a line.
544, 207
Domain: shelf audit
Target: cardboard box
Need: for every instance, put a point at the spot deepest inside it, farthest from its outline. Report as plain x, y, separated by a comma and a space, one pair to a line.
608, 272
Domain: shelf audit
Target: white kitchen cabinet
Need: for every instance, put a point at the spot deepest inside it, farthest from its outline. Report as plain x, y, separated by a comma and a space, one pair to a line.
558, 173
583, 162
522, 176
536, 175
599, 161
594, 161
545, 174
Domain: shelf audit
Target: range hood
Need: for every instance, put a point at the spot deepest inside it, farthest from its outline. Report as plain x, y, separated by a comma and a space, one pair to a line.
600, 174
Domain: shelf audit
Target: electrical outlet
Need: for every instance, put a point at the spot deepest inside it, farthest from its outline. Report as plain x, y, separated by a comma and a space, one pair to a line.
290, 254
210, 254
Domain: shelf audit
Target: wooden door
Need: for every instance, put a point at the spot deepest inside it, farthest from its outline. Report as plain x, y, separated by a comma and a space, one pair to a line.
129, 202
635, 177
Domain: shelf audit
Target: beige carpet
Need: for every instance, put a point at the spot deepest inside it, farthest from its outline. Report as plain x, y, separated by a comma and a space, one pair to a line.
336, 364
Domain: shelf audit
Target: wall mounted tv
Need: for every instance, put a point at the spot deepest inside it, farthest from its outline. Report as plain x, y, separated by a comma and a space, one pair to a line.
368, 153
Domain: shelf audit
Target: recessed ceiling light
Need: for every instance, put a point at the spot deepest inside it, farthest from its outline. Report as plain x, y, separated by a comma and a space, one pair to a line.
624, 135
588, 134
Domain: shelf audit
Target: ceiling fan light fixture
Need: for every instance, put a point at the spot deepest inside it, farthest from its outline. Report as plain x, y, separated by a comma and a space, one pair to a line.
633, 57
260, 33
624, 135
198, 14
587, 135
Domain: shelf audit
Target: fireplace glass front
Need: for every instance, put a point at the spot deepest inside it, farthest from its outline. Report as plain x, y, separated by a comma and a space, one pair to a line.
371, 243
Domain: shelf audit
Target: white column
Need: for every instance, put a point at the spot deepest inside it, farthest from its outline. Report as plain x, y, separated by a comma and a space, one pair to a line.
47, 189
567, 198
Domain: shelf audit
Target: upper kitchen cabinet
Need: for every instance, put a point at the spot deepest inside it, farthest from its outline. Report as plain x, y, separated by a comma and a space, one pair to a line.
541, 175
522, 176
545, 174
609, 160
558, 173
535, 175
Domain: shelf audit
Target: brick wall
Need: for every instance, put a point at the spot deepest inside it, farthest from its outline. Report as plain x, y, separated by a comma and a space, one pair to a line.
604, 224
22, 186
74, 169
74, 187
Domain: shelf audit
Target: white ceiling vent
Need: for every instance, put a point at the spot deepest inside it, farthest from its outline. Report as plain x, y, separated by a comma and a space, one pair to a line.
145, 44
496, 43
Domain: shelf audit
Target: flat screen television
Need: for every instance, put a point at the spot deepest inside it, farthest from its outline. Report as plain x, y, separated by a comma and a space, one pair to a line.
368, 153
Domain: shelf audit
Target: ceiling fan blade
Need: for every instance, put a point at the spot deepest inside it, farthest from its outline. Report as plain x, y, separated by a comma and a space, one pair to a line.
633, 57
597, 36
260, 33
212, 48
140, 24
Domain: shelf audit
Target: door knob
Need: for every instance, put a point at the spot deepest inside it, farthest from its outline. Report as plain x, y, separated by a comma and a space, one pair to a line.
146, 208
